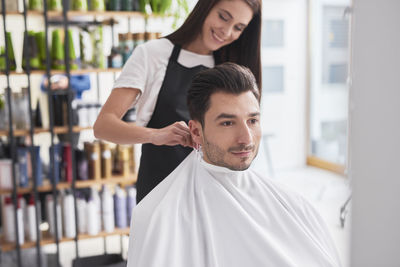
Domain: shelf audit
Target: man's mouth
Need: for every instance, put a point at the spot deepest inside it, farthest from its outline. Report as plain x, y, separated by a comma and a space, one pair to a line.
242, 153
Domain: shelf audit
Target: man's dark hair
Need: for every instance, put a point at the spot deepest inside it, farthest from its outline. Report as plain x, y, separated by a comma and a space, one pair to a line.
226, 78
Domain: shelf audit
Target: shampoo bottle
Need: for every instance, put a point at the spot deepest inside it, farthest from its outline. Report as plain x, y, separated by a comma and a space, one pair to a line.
31, 219
69, 215
120, 208
107, 203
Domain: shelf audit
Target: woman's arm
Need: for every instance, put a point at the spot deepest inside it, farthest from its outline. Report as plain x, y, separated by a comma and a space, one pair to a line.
109, 125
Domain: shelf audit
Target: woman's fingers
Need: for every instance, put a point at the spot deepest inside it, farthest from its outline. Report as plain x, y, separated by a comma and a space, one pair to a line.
177, 133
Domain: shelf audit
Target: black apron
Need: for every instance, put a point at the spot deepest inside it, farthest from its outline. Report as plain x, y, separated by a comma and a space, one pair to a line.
157, 162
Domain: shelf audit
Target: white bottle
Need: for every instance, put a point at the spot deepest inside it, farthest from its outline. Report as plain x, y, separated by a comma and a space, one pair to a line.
107, 203
92, 227
69, 215
8, 220
82, 214
22, 204
131, 202
51, 218
31, 220
20, 221
97, 201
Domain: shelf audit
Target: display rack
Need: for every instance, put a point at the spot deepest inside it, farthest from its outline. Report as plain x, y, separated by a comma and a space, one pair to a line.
34, 188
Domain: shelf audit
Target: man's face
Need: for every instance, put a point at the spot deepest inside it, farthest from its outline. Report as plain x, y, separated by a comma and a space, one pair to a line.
231, 133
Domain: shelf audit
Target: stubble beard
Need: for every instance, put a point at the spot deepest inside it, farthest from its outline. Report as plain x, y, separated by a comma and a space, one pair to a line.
216, 155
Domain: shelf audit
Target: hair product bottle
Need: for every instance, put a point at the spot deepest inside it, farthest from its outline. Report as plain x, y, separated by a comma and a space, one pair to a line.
38, 165
22, 153
67, 162
93, 154
81, 206
21, 207
50, 215
69, 214
92, 227
8, 220
31, 219
106, 162
131, 202
107, 203
120, 209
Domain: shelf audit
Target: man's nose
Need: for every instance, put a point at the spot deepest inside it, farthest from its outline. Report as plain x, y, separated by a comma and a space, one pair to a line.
244, 135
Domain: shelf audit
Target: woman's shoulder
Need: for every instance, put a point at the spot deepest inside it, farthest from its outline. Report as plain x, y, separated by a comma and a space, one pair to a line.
157, 48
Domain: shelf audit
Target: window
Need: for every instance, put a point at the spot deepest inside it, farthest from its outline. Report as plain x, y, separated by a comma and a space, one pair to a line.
273, 33
273, 77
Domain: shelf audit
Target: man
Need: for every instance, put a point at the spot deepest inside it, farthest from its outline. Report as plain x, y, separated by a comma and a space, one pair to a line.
211, 210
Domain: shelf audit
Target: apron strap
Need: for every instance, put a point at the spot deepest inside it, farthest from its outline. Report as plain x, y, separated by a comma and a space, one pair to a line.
175, 53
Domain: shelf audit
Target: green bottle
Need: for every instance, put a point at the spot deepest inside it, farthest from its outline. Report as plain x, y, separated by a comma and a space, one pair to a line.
11, 57
98, 55
142, 5
79, 5
97, 5
54, 5
41, 44
2, 59
31, 51
72, 55
36, 5
57, 51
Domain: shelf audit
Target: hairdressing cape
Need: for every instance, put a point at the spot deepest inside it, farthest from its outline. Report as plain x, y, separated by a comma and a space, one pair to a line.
203, 215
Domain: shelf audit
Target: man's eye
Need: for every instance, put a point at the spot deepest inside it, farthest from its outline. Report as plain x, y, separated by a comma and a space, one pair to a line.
222, 17
253, 121
226, 123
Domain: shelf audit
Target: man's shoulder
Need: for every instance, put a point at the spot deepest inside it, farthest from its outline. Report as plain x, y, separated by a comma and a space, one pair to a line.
287, 196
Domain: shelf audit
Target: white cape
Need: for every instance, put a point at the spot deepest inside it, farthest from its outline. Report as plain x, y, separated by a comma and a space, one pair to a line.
209, 216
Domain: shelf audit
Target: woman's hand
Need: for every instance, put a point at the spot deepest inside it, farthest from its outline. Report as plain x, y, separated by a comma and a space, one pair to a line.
175, 134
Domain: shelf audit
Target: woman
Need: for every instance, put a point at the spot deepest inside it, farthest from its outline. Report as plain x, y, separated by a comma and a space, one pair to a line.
158, 75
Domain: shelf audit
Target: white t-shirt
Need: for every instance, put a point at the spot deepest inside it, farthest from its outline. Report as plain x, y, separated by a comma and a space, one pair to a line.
145, 70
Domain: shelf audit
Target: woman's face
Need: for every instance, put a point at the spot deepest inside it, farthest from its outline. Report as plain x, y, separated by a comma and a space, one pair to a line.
224, 24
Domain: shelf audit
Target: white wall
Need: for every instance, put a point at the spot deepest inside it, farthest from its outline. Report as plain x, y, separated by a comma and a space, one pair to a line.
375, 134
283, 114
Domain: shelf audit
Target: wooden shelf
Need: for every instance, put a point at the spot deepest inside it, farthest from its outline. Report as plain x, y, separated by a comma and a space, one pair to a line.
47, 187
72, 14
80, 71
57, 130
47, 240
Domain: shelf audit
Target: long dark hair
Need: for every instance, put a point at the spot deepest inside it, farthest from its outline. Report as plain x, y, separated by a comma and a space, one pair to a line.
244, 51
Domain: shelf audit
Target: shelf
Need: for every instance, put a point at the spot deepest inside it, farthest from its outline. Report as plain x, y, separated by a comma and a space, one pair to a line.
80, 71
72, 14
47, 240
47, 187
57, 130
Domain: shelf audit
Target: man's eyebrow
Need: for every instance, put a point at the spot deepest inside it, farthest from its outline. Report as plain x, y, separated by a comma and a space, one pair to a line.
232, 116
254, 114
225, 116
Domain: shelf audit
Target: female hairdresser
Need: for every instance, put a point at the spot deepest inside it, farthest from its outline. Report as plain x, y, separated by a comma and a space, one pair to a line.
158, 74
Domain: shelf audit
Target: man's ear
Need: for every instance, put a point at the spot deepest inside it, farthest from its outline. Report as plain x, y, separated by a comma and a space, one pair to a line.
196, 131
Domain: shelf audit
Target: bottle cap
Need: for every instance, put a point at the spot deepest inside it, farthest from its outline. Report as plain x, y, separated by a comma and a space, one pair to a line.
7, 200
31, 200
